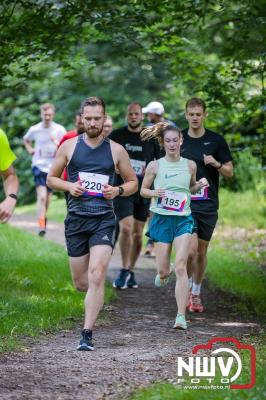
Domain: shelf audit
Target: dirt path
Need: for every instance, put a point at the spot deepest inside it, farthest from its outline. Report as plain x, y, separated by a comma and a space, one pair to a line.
136, 347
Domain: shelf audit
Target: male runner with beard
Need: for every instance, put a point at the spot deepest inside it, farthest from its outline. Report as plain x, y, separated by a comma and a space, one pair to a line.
91, 161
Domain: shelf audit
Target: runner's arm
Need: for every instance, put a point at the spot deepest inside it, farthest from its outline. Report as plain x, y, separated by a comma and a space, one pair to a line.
126, 171
11, 186
29, 147
53, 179
225, 169
196, 185
148, 179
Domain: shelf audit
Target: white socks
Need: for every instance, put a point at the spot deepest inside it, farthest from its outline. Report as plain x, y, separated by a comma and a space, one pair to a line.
196, 289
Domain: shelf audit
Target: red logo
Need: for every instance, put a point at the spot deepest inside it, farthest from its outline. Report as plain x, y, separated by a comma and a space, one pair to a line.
238, 346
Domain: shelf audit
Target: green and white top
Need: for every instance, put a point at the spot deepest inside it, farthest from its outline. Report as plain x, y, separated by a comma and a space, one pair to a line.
174, 177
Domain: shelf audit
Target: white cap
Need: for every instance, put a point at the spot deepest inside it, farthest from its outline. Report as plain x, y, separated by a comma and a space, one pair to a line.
154, 108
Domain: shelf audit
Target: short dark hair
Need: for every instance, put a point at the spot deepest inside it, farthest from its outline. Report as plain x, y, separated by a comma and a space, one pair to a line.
196, 102
135, 103
92, 101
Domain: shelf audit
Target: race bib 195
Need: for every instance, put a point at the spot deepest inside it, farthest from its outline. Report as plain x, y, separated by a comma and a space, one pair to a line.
138, 166
173, 201
93, 183
201, 194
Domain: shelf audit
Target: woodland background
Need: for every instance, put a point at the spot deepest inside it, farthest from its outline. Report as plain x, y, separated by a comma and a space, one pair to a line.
65, 51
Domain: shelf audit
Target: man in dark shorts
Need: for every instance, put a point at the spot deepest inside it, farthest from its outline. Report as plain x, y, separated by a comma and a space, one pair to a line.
91, 161
212, 155
46, 136
133, 211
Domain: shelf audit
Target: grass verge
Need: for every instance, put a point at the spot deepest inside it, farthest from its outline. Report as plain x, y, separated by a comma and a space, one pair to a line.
36, 289
244, 210
232, 272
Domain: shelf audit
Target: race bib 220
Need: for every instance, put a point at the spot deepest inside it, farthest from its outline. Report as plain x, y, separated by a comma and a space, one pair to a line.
93, 183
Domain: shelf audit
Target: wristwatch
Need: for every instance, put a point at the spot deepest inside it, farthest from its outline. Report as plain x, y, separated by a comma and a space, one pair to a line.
121, 190
13, 195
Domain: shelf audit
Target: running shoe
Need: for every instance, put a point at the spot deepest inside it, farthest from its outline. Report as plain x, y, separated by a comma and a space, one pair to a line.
132, 281
160, 282
195, 304
149, 251
85, 343
180, 322
42, 226
122, 279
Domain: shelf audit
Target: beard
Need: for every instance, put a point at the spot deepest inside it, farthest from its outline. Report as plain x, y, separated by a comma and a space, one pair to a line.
93, 132
134, 125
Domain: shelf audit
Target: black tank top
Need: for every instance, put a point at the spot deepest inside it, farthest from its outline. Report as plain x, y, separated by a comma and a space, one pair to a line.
94, 166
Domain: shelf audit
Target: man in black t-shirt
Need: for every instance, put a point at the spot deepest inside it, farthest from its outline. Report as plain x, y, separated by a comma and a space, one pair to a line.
132, 212
212, 155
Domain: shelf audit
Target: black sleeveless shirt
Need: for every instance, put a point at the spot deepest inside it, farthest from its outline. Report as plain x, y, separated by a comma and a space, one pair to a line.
93, 166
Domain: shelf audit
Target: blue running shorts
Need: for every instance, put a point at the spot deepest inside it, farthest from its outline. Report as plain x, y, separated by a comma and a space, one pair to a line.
165, 228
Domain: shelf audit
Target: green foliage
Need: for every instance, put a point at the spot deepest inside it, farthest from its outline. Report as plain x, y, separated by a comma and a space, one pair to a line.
23, 168
136, 51
248, 173
36, 290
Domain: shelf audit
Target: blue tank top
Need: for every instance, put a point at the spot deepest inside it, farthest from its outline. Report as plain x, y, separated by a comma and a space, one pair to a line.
94, 166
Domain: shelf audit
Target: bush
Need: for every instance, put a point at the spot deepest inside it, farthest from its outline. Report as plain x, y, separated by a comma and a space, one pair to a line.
248, 173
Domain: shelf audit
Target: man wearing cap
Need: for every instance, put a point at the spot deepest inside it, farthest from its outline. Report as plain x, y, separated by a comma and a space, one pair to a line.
155, 112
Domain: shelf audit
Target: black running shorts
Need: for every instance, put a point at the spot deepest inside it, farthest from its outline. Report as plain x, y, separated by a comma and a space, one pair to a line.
130, 206
204, 224
83, 232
